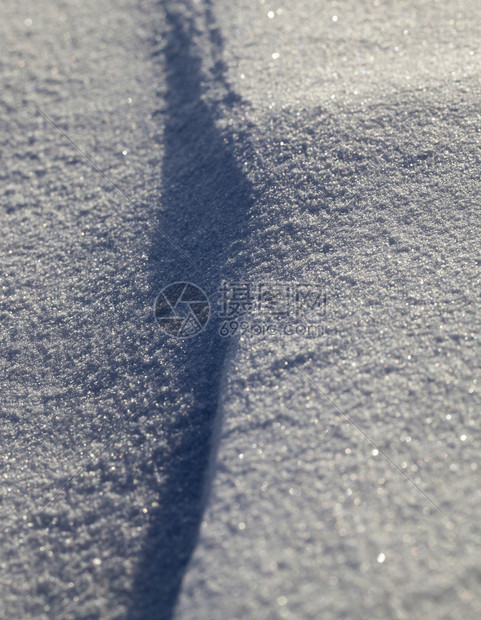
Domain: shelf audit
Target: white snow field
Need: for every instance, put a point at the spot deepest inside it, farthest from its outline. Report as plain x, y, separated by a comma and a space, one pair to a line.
334, 143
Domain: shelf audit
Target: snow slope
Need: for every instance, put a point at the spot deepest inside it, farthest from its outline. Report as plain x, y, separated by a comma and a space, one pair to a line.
366, 141
326, 142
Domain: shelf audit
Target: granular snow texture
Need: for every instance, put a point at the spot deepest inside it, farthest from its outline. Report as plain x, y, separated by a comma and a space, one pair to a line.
253, 477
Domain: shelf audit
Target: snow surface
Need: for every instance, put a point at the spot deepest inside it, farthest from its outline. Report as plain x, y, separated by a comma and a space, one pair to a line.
243, 478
